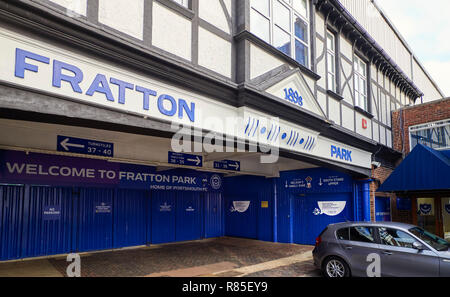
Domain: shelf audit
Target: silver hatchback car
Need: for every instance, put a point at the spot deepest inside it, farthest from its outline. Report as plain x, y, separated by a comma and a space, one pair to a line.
380, 249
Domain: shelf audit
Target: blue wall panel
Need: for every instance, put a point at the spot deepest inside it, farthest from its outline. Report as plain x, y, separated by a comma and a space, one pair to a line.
48, 221
297, 195
257, 221
95, 224
308, 222
163, 216
188, 216
130, 217
11, 215
213, 215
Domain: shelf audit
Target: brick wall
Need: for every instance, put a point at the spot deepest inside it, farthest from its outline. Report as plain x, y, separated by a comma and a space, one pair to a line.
416, 115
410, 116
381, 174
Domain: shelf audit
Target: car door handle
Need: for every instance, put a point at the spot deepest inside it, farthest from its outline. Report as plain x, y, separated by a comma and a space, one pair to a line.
348, 247
387, 253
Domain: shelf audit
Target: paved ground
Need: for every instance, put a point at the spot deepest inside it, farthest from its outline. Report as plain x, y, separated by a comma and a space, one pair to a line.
213, 257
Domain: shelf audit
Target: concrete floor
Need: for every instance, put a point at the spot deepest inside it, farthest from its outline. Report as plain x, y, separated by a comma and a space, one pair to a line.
212, 257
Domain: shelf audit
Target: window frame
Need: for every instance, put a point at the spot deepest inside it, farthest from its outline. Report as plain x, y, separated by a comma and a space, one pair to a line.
427, 127
334, 54
293, 13
357, 75
374, 234
184, 3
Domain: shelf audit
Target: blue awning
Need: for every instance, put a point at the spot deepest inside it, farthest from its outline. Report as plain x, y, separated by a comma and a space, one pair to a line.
424, 169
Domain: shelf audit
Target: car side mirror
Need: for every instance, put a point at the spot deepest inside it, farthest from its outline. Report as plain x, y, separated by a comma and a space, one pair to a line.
418, 246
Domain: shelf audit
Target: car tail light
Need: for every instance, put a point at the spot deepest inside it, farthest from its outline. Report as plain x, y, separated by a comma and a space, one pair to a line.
318, 240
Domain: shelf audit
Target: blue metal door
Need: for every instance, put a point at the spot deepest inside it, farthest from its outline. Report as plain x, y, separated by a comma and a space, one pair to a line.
48, 222
130, 217
313, 212
11, 215
163, 216
213, 215
188, 218
241, 218
95, 222
382, 209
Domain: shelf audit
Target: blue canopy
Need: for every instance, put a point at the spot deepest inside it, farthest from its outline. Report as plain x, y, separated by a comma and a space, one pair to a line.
424, 169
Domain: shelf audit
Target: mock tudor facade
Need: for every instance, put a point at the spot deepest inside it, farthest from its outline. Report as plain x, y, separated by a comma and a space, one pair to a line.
92, 93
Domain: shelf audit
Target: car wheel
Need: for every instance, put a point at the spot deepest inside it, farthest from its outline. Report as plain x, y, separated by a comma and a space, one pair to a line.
335, 267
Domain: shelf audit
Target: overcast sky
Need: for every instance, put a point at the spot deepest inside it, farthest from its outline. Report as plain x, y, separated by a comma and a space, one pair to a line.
425, 25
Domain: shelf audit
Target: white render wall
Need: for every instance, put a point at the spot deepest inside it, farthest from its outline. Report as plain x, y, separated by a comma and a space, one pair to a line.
171, 31
211, 46
213, 13
77, 6
123, 15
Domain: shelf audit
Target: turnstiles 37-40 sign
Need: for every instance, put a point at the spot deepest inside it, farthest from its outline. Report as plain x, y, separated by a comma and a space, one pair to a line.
20, 167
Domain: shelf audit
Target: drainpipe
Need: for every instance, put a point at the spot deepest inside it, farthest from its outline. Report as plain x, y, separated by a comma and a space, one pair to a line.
365, 195
356, 214
275, 211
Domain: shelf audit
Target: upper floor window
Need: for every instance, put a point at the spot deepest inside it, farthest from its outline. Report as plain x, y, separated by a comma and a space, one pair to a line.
284, 24
360, 83
435, 135
184, 3
331, 60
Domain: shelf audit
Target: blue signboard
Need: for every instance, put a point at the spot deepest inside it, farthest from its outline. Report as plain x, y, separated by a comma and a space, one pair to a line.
316, 180
185, 159
51, 212
228, 165
84, 146
36, 168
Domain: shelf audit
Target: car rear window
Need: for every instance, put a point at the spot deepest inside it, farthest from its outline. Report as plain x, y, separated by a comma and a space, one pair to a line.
362, 234
343, 234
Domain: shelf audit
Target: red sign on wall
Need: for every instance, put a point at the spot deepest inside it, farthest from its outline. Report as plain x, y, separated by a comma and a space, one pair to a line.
364, 123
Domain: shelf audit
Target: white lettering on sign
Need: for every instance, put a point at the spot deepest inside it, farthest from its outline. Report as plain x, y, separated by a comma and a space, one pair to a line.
330, 208
34, 169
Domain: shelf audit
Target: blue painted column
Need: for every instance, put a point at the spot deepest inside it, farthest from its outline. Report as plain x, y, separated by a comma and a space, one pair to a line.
365, 199
275, 211
356, 211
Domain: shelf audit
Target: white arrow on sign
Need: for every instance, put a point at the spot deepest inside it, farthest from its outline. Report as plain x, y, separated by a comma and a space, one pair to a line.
65, 144
235, 165
197, 160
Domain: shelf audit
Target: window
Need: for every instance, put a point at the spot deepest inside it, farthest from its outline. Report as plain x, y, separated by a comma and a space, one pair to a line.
360, 69
184, 3
435, 135
343, 234
331, 60
431, 239
394, 237
284, 24
362, 234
